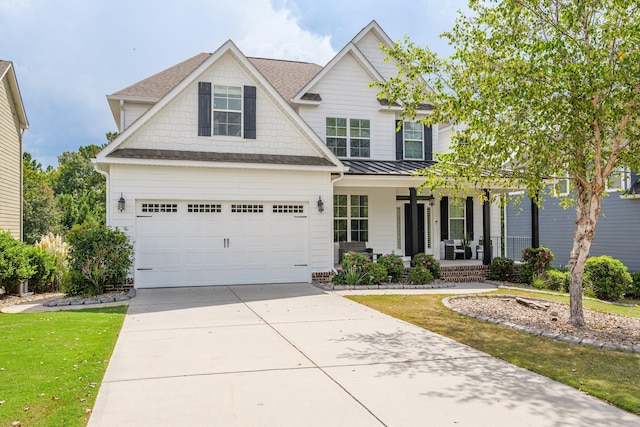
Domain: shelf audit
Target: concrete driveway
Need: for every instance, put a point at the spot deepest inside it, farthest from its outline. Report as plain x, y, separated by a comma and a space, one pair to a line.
293, 355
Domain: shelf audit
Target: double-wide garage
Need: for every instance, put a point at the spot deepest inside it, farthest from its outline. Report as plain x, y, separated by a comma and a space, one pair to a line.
202, 243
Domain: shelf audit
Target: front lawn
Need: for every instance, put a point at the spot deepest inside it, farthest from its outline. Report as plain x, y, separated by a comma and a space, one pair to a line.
610, 375
52, 364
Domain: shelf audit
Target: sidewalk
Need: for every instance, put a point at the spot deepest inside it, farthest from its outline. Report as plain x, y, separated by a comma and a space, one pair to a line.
293, 355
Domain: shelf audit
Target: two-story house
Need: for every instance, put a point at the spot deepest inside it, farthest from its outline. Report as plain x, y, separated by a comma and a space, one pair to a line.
13, 122
231, 169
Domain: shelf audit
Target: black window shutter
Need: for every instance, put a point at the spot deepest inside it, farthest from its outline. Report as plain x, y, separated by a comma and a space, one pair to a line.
428, 143
469, 215
444, 218
399, 141
204, 109
250, 112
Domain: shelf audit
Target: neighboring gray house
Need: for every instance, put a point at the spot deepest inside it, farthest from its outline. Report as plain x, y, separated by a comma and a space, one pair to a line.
617, 233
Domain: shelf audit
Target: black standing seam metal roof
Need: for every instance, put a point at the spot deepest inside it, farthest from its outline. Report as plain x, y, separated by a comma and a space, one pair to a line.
386, 167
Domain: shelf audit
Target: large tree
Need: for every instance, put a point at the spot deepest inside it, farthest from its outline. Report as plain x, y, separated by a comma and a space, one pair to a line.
40, 215
541, 88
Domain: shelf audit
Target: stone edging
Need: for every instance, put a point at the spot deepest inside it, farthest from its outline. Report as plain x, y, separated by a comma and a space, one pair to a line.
90, 301
535, 331
331, 287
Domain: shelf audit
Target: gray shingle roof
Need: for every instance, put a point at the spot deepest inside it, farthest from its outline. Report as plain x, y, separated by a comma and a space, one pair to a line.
287, 77
141, 153
386, 167
161, 83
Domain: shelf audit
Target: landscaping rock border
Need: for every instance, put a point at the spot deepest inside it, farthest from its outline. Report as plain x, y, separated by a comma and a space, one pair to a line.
536, 331
92, 300
332, 287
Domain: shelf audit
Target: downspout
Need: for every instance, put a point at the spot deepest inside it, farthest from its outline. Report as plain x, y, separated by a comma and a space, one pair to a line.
333, 255
108, 201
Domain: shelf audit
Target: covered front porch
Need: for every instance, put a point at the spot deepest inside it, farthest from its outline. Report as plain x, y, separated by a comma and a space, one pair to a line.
380, 203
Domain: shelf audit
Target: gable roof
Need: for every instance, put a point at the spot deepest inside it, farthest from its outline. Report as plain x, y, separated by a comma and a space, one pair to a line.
7, 71
287, 77
176, 73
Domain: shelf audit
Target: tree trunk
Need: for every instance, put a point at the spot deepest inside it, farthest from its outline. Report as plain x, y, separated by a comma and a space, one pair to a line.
587, 210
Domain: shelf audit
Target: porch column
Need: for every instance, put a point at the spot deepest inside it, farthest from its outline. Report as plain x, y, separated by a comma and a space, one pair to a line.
413, 203
486, 230
535, 230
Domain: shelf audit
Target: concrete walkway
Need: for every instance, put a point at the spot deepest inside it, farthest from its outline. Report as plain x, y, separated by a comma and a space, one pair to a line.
293, 355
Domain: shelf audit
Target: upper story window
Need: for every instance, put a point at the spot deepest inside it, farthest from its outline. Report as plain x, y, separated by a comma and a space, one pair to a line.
619, 180
352, 140
227, 110
413, 140
561, 188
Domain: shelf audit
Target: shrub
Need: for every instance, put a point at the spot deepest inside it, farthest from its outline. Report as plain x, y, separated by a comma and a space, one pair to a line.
428, 261
353, 276
539, 282
44, 266
14, 262
535, 261
420, 275
374, 273
634, 287
606, 277
351, 259
501, 269
98, 257
557, 280
59, 249
394, 265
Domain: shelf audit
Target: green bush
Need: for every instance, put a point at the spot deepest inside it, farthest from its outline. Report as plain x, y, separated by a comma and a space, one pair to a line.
374, 273
420, 275
55, 246
356, 259
501, 269
14, 262
428, 261
557, 280
353, 276
44, 266
606, 277
634, 287
98, 257
394, 265
535, 261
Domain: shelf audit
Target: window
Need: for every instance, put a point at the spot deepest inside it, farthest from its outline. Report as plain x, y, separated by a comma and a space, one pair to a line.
619, 180
247, 208
561, 188
227, 110
359, 222
413, 140
203, 208
352, 141
350, 218
288, 209
456, 218
340, 215
160, 207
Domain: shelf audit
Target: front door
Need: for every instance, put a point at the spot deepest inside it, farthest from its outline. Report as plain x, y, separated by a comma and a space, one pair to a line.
408, 234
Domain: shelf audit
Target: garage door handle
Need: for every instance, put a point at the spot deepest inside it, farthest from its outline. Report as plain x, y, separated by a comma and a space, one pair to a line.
144, 269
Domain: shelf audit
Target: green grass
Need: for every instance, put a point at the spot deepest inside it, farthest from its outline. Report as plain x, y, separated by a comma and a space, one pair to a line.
52, 364
609, 375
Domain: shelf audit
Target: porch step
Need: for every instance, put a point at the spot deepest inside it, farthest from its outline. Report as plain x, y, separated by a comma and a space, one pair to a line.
464, 273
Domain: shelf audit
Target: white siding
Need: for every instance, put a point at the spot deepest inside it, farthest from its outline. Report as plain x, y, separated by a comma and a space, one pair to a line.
194, 184
369, 45
175, 127
132, 111
346, 93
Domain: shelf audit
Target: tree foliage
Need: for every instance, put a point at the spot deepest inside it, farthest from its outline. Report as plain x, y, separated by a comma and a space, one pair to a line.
543, 89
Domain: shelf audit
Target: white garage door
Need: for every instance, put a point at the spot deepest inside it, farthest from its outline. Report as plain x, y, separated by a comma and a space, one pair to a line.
220, 243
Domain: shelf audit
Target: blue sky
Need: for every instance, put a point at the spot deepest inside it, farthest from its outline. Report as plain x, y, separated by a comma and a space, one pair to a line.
70, 54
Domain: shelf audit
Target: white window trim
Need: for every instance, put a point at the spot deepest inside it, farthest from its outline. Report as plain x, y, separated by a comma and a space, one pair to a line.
404, 142
348, 136
214, 109
452, 202
623, 181
348, 218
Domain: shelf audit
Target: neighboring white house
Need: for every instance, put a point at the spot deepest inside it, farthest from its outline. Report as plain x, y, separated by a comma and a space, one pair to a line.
249, 170
13, 122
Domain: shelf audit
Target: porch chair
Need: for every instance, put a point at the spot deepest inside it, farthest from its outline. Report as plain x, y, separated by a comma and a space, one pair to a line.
453, 250
480, 247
